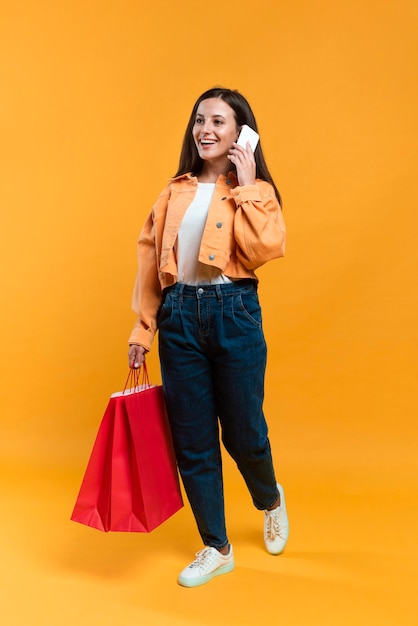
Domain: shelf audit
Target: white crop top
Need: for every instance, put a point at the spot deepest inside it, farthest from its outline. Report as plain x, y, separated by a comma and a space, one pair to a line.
190, 270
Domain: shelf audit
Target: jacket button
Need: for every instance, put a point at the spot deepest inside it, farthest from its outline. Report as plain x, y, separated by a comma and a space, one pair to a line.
219, 225
211, 257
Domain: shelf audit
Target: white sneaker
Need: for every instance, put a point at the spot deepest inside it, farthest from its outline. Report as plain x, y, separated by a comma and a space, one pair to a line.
208, 564
276, 526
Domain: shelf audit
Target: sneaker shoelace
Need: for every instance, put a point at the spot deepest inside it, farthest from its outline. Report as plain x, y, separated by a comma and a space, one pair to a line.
273, 527
204, 559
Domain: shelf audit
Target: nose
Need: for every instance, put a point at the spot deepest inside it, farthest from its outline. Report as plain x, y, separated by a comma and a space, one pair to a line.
206, 128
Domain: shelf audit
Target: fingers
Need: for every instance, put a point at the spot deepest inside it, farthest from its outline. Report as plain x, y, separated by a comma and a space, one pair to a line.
237, 152
136, 356
243, 159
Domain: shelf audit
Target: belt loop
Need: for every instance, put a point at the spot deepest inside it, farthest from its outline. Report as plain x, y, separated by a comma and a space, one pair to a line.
180, 290
219, 292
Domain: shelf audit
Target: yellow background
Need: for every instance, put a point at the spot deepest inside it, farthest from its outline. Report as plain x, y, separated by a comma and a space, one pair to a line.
94, 100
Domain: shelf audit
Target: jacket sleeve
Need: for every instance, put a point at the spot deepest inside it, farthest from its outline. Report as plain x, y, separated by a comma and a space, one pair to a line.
147, 291
259, 228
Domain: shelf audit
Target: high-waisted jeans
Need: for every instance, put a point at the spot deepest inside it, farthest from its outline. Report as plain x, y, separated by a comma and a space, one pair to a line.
213, 359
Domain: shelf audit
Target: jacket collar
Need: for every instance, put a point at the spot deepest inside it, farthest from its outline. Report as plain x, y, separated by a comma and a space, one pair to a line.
230, 180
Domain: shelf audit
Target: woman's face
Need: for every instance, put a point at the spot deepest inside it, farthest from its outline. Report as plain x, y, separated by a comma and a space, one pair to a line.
214, 130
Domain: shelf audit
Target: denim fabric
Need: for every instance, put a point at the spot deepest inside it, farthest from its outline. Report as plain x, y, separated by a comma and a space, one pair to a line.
213, 359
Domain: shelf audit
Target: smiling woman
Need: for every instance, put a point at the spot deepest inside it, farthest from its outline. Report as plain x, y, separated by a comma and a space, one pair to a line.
221, 220
86, 89
214, 132
225, 103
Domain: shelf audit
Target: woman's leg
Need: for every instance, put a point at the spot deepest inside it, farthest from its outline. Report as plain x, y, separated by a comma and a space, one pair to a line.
239, 370
189, 393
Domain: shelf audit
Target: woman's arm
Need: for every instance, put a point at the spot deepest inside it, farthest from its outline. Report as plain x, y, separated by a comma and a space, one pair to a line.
259, 227
147, 292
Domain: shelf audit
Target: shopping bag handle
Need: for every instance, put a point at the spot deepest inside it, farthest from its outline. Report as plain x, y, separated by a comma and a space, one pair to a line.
132, 382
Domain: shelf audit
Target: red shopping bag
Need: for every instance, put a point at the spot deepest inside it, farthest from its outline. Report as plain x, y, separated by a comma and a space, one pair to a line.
131, 482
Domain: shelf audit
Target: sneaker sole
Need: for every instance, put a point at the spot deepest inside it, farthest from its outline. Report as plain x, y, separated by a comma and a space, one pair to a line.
202, 580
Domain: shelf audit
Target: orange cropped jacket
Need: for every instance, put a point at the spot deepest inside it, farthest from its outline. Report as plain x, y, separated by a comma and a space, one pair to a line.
244, 229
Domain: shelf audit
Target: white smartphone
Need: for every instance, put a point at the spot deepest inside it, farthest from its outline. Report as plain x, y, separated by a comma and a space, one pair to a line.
248, 134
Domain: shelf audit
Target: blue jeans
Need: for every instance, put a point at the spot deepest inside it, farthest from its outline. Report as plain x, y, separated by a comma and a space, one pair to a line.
213, 360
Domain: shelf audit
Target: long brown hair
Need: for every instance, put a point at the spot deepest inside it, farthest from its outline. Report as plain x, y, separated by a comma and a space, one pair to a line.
190, 160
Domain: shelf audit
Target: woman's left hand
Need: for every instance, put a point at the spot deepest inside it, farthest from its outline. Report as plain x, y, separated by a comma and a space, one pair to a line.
243, 159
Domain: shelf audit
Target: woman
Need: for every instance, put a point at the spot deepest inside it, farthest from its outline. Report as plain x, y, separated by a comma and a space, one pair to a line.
217, 221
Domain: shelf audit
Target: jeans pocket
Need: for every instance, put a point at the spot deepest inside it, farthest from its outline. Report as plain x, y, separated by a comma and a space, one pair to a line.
249, 305
165, 310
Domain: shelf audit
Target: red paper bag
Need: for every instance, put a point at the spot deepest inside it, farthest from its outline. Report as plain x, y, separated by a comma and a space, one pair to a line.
131, 481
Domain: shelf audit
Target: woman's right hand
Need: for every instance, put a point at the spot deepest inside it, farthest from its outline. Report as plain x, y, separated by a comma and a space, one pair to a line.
136, 356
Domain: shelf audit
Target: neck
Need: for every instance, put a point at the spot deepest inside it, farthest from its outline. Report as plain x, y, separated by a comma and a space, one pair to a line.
211, 171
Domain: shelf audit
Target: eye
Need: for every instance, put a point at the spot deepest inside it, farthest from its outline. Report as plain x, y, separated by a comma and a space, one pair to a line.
198, 120
218, 122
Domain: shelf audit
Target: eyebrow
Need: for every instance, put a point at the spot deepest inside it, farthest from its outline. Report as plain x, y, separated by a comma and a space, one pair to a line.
216, 115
